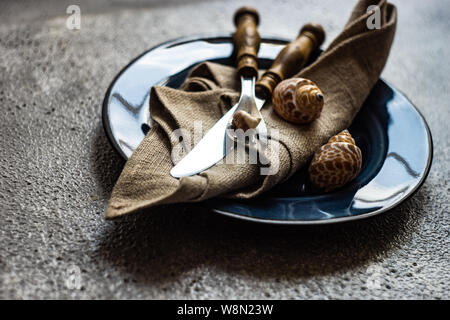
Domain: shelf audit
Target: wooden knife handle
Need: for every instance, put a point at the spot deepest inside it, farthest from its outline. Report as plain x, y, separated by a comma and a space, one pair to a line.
246, 41
292, 58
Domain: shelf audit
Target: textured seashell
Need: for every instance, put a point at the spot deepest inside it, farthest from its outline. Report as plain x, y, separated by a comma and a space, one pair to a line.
336, 163
298, 100
243, 120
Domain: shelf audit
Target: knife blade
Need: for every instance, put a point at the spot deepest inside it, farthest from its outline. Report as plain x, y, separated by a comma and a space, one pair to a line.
212, 147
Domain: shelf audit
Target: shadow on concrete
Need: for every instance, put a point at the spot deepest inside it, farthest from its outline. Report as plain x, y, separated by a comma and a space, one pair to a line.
106, 163
159, 245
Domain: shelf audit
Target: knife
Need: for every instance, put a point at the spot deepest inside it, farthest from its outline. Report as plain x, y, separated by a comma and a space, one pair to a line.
211, 148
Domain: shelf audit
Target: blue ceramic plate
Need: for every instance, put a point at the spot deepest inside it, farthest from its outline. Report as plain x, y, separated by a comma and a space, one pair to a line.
393, 136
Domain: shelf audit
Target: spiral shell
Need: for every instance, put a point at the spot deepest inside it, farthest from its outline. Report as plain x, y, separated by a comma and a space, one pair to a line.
298, 100
336, 163
243, 120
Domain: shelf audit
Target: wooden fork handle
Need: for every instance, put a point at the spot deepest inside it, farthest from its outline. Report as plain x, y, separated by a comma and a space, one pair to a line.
292, 58
246, 41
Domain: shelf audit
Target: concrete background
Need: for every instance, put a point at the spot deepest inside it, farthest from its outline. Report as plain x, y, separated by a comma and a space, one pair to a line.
57, 169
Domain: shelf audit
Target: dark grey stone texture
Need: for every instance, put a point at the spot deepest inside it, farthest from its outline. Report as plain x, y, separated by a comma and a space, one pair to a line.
57, 169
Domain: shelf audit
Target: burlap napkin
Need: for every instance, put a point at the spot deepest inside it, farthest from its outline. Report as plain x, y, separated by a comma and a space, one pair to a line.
345, 72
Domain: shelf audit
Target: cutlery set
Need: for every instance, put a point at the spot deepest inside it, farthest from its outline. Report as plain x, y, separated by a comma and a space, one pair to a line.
215, 144
378, 127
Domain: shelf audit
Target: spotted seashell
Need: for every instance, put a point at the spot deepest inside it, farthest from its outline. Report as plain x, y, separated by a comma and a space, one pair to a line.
336, 163
243, 120
298, 100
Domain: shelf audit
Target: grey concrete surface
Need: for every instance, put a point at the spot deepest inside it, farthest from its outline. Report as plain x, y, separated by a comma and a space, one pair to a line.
57, 169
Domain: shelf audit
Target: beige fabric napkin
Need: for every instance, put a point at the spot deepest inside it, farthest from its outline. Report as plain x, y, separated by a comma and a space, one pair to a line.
345, 72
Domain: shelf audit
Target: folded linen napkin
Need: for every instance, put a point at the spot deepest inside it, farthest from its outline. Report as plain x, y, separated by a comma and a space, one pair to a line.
345, 72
